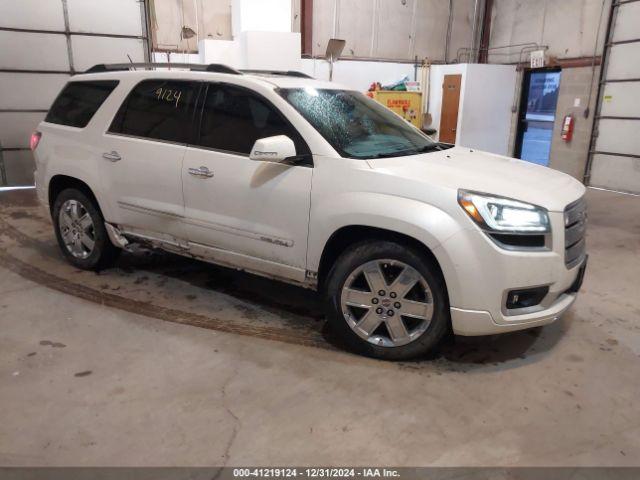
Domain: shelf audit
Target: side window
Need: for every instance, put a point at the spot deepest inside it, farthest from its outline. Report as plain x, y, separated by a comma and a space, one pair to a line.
158, 109
234, 118
78, 102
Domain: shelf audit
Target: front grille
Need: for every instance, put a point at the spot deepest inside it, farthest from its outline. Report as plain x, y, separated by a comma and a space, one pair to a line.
575, 223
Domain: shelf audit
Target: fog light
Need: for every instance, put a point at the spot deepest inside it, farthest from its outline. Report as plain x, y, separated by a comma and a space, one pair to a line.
526, 297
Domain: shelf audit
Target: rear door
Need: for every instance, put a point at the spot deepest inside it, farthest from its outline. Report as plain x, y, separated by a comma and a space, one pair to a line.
250, 213
143, 152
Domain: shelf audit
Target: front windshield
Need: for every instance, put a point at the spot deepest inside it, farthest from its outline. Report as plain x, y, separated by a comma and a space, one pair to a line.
355, 125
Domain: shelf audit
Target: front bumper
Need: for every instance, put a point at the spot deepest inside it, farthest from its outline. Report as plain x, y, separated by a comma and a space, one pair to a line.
478, 282
478, 322
474, 322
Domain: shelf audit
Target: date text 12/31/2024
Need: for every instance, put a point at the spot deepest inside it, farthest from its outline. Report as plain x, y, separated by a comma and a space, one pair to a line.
315, 473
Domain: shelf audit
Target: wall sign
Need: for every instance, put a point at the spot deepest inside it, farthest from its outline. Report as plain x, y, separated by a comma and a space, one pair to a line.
537, 59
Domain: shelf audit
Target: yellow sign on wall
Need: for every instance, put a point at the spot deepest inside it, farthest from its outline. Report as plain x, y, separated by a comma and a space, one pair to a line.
406, 104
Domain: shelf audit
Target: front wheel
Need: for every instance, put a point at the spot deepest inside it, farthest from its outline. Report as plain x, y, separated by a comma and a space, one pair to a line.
387, 300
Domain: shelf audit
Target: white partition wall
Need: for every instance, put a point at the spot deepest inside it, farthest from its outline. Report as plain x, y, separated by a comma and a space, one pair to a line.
44, 42
484, 111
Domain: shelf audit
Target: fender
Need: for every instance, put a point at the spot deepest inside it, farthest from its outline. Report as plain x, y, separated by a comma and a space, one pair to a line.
421, 221
75, 161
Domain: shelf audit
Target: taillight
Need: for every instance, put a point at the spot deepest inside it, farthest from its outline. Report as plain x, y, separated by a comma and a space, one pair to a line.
34, 140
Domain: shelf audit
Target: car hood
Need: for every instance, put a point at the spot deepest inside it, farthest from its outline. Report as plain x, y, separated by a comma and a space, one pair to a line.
468, 169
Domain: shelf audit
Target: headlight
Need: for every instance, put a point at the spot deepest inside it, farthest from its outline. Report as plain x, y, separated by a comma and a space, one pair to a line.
504, 215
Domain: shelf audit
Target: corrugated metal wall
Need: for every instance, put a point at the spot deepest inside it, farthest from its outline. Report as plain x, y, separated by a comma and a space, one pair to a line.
382, 29
207, 18
568, 27
392, 29
43, 43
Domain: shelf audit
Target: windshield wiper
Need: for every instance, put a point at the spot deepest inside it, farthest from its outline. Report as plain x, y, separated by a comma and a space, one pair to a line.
434, 146
403, 153
400, 153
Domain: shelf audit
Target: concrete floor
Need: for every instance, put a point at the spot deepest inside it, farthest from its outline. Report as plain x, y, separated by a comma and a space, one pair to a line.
167, 361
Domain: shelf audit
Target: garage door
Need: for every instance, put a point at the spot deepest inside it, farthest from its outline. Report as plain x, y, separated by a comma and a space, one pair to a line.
44, 42
615, 156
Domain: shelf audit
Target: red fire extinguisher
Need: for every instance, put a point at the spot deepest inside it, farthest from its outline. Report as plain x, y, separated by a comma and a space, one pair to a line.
567, 128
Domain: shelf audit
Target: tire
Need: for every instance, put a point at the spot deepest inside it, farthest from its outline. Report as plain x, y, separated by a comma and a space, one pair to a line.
388, 334
80, 231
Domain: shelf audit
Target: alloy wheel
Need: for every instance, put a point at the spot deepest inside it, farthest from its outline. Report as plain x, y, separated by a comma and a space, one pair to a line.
77, 229
387, 303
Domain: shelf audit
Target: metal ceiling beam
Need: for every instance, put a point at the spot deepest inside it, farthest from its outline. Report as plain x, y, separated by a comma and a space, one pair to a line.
483, 54
306, 26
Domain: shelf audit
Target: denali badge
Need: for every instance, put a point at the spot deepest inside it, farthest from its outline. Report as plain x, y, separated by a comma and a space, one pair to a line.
270, 154
277, 241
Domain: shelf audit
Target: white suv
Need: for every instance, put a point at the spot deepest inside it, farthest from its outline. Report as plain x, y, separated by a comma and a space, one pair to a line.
311, 183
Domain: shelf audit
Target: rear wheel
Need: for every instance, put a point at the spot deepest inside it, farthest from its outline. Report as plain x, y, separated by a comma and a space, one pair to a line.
80, 231
387, 301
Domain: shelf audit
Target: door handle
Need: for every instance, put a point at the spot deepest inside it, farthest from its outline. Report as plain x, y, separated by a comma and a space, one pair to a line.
202, 172
113, 156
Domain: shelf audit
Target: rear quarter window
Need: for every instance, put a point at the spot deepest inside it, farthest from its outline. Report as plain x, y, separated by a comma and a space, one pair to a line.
78, 102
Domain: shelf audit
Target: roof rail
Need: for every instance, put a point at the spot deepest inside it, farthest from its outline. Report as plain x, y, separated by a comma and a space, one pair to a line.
114, 67
284, 73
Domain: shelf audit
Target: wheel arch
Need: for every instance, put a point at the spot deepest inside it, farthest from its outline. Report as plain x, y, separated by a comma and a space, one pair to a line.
60, 182
349, 235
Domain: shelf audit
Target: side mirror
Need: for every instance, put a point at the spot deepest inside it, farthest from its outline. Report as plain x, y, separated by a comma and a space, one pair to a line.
273, 149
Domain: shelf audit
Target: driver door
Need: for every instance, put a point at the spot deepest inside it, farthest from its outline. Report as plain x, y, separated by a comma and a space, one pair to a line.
245, 213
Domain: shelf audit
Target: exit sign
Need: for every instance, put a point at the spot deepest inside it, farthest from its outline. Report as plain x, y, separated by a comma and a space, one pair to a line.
537, 59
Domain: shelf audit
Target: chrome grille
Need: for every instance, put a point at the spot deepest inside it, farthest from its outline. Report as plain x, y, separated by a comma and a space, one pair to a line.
575, 223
